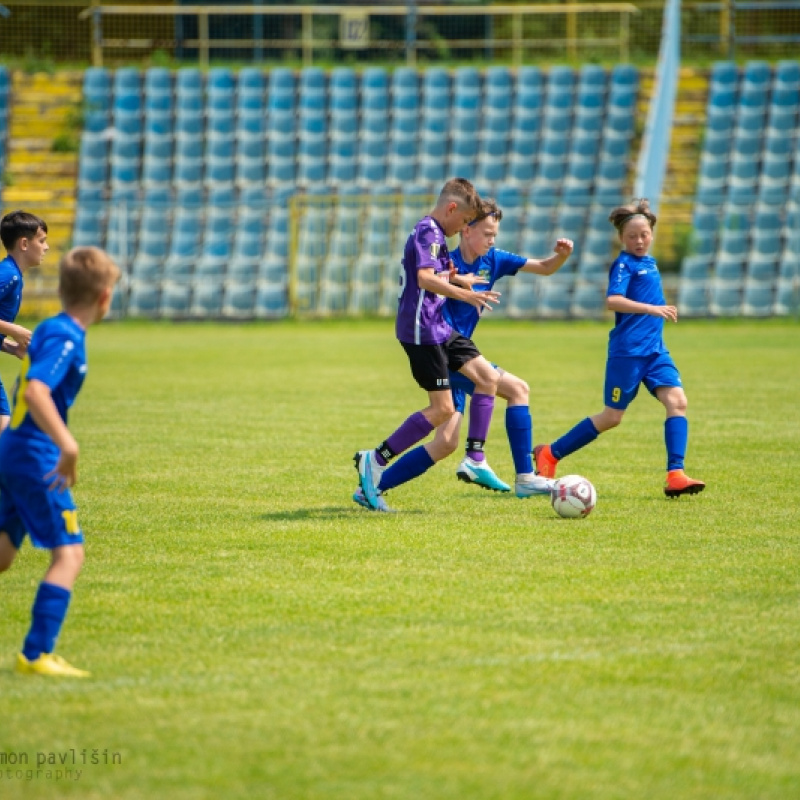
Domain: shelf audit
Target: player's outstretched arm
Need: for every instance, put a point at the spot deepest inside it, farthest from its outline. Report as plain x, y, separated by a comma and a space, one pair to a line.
20, 335
427, 279
547, 266
620, 303
45, 414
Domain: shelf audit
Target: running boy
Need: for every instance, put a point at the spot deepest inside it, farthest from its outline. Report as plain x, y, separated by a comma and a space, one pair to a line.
480, 264
39, 456
432, 346
24, 237
636, 353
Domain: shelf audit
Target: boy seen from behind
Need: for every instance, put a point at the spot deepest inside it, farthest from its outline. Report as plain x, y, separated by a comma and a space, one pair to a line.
39, 455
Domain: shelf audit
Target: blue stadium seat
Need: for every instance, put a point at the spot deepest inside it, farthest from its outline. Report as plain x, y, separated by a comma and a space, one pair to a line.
759, 297
89, 228
693, 297
724, 74
787, 75
206, 294
588, 299
97, 97
726, 298
271, 301
239, 299
624, 75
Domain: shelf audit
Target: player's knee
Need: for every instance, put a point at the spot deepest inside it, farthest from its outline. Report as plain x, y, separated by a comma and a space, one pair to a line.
518, 392
488, 382
610, 418
7, 552
439, 415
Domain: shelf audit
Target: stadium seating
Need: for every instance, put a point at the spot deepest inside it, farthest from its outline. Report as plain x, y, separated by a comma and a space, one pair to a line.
203, 167
747, 176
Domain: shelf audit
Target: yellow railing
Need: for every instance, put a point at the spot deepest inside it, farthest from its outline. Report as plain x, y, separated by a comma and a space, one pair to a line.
353, 28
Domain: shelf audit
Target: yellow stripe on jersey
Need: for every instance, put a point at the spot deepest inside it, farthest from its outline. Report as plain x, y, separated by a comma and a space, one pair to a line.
20, 406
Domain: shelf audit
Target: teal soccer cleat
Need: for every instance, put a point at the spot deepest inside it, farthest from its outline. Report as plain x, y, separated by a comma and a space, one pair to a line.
369, 476
480, 473
358, 497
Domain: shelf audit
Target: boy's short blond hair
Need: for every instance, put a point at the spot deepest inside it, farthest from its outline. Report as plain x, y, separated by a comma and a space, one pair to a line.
84, 273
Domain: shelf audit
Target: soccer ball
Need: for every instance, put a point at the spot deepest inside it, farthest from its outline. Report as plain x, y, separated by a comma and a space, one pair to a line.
573, 497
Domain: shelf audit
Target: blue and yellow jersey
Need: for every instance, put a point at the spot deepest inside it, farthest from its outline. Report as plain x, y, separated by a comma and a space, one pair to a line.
10, 290
57, 358
494, 265
636, 278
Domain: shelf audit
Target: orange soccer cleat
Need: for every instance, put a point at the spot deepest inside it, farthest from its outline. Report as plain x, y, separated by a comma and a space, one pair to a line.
678, 483
546, 462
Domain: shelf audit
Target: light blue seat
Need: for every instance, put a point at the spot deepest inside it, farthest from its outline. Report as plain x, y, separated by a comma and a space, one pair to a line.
693, 297
624, 75
588, 299
156, 172
726, 297
206, 294
175, 299
148, 262
89, 228
97, 96
144, 299
759, 298
271, 301
239, 299
189, 82
555, 297
697, 266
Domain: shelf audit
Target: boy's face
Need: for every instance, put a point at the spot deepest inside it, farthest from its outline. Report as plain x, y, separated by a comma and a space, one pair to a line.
104, 303
456, 217
34, 249
481, 236
637, 236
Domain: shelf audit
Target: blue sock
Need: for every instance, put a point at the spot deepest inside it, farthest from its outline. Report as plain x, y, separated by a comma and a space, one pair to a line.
582, 434
676, 437
405, 469
519, 428
49, 610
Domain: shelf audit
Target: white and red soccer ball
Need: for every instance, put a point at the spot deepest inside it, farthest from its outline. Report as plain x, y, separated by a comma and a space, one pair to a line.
573, 497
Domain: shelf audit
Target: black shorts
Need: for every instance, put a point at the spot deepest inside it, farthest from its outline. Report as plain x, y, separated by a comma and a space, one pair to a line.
431, 364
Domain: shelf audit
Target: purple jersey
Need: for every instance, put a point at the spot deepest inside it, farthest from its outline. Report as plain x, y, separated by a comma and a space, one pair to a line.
419, 312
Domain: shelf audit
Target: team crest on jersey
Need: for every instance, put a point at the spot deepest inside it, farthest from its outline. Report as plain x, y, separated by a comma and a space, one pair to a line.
484, 274
435, 248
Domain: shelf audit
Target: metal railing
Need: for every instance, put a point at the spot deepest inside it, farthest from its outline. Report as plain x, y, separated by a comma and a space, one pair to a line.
511, 24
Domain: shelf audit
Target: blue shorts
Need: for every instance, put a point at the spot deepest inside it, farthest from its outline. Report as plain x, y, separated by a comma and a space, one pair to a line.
624, 375
27, 506
460, 387
5, 409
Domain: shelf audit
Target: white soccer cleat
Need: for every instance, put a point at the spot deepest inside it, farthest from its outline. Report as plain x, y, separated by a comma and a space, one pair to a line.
480, 473
533, 485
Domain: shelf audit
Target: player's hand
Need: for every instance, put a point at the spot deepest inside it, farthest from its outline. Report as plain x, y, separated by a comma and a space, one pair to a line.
483, 300
65, 474
470, 279
22, 336
666, 312
564, 247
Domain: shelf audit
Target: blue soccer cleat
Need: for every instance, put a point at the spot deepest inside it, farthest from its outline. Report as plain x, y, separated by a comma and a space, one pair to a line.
480, 473
358, 497
369, 476
533, 485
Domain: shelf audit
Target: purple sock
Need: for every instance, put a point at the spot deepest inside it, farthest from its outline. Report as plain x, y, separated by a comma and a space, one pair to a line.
413, 430
480, 416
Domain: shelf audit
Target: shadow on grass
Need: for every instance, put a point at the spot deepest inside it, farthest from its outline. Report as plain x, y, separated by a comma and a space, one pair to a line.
330, 512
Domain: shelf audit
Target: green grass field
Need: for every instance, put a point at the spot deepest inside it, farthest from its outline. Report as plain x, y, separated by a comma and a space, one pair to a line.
254, 634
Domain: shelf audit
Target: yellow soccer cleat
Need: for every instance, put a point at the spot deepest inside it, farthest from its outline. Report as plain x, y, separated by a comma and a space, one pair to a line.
49, 664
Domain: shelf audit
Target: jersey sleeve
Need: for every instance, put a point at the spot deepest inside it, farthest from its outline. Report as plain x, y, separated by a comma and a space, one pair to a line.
507, 263
7, 282
51, 359
619, 276
426, 248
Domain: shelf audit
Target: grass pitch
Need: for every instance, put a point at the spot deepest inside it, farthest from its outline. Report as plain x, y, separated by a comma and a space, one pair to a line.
254, 634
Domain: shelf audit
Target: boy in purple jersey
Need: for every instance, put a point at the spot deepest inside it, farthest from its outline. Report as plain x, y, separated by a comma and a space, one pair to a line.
432, 346
480, 264
636, 354
39, 456
25, 238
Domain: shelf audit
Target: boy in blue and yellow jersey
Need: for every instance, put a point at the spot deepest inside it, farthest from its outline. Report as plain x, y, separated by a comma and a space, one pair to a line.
39, 456
636, 354
24, 237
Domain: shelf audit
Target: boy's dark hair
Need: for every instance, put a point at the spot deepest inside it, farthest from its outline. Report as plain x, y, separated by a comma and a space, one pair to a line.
460, 190
489, 208
637, 208
83, 274
19, 225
